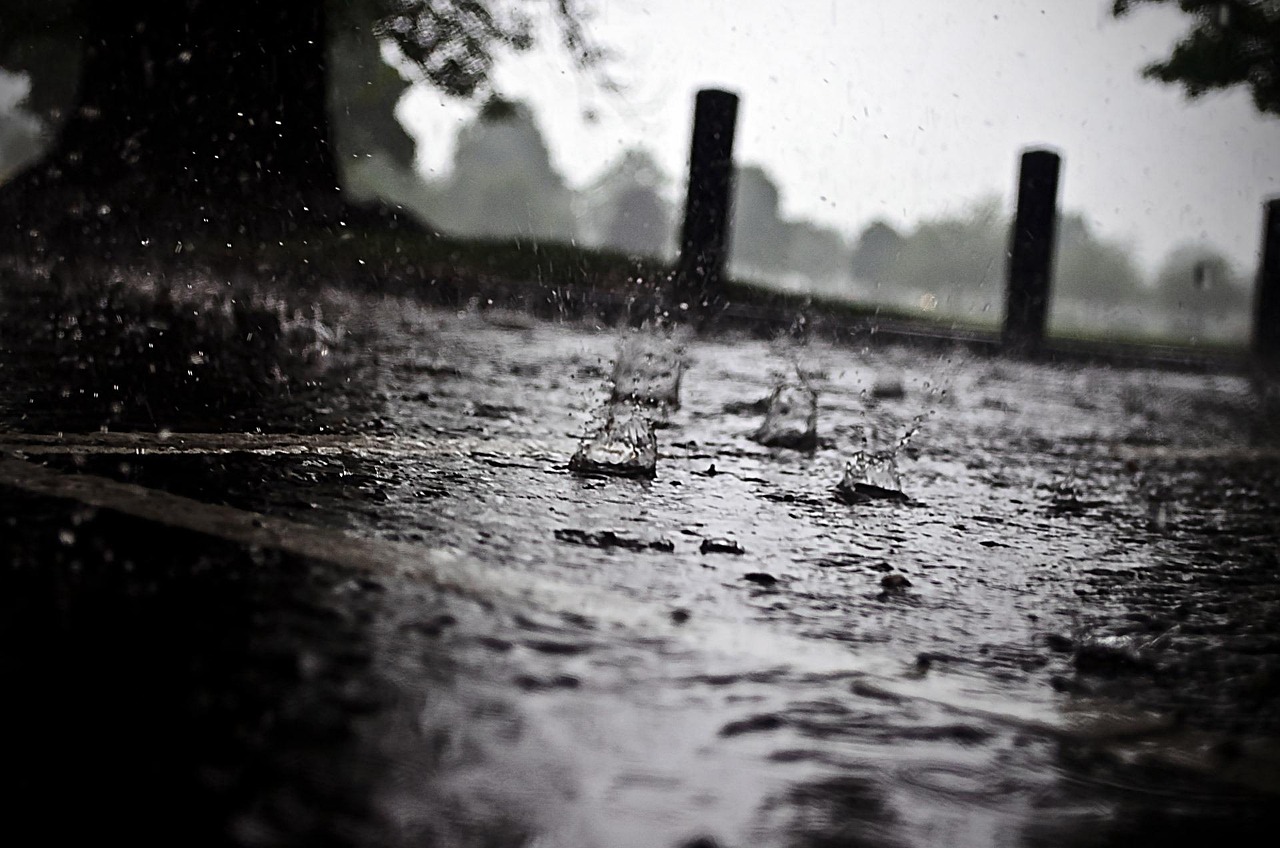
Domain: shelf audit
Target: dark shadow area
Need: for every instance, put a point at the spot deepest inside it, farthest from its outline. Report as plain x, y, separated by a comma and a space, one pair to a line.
343, 491
1106, 802
165, 688
840, 812
87, 348
1201, 603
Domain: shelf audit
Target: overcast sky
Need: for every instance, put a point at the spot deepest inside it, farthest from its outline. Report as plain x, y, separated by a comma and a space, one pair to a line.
905, 110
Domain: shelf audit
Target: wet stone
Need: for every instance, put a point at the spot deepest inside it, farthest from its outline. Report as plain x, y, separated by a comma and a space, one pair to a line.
721, 546
888, 388
529, 683
1058, 642
754, 724
791, 419
433, 626
894, 582
556, 648
495, 411
1066, 500
625, 446
746, 407
606, 539
1110, 655
760, 578
1068, 685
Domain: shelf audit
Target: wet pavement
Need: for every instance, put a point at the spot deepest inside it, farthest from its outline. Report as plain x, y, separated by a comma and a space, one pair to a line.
390, 614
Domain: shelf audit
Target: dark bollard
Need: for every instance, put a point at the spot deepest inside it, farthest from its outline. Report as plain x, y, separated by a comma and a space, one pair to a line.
1266, 326
704, 239
1031, 253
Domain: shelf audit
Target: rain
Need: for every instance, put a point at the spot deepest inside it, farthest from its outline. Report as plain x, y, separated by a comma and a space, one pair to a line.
562, 480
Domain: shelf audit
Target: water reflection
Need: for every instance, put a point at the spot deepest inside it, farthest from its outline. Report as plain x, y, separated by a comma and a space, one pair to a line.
964, 710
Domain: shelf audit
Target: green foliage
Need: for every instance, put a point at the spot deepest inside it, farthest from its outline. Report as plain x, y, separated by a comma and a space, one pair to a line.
1230, 43
455, 43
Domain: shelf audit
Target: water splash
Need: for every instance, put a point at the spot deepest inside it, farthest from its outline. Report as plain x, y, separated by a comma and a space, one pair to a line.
648, 371
625, 446
910, 433
871, 476
791, 418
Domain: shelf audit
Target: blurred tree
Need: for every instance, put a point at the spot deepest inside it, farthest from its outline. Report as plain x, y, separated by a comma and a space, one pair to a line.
1097, 273
503, 182
624, 208
817, 252
641, 224
210, 115
876, 251
1230, 43
757, 236
955, 255
961, 261
1197, 287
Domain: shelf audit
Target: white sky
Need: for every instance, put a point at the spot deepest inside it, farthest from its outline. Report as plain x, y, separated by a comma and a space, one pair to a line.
905, 110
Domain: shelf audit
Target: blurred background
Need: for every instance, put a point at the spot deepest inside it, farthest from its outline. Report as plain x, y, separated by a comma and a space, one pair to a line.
877, 149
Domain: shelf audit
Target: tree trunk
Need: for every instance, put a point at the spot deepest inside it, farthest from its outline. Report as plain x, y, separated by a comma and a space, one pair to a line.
195, 119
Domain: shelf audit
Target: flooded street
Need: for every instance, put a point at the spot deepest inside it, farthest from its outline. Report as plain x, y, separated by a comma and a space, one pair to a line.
1066, 631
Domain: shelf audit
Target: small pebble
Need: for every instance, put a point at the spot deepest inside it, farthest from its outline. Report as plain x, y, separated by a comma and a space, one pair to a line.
894, 581
760, 577
720, 546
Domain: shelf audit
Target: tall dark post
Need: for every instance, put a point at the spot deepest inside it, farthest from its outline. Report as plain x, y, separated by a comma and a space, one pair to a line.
1031, 252
704, 239
1266, 326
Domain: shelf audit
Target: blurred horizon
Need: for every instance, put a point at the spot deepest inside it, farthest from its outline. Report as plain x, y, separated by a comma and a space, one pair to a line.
877, 152
864, 111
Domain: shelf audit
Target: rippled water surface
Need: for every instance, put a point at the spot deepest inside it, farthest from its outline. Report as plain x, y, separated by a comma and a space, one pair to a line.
1067, 631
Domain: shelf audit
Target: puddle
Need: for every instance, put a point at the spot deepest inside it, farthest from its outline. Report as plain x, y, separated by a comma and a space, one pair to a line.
1008, 660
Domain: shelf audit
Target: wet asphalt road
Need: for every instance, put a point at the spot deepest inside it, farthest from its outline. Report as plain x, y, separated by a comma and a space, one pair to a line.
1068, 634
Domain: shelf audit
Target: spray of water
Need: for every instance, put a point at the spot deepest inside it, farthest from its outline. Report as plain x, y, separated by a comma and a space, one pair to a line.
625, 446
872, 472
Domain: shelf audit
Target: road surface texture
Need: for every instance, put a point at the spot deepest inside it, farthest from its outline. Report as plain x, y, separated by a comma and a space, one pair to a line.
278, 577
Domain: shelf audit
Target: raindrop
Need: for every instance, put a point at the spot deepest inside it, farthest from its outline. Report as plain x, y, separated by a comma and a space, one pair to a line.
648, 371
626, 446
870, 476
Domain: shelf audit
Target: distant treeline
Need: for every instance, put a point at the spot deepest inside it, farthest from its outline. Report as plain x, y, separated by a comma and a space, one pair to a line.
955, 265
503, 183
